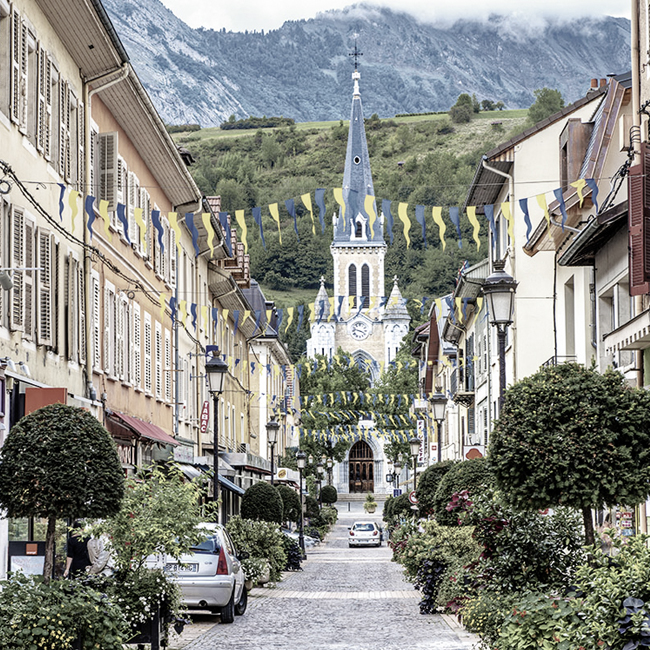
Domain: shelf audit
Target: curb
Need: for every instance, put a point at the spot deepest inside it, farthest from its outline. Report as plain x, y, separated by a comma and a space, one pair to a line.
459, 629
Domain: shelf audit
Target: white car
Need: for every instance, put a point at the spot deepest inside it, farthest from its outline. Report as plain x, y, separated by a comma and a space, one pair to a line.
364, 533
211, 576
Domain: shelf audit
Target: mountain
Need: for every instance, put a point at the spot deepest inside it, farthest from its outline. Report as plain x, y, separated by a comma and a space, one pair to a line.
302, 70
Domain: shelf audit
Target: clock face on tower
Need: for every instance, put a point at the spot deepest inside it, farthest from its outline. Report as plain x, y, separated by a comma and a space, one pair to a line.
360, 330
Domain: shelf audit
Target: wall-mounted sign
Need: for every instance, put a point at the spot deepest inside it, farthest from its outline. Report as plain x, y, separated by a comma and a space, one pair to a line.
184, 454
205, 416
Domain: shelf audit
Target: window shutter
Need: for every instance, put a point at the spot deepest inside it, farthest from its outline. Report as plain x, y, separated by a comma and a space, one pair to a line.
64, 128
172, 257
120, 306
147, 353
137, 347
120, 195
108, 172
44, 289
166, 256
639, 225
41, 108
81, 321
17, 260
30, 289
81, 146
19, 62
96, 341
92, 181
159, 360
72, 344
168, 366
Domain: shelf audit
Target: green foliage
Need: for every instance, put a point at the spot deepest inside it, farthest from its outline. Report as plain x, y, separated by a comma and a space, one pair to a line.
568, 435
160, 513
547, 102
262, 540
35, 615
396, 509
328, 494
262, 502
460, 114
290, 503
471, 475
311, 507
256, 122
59, 461
182, 128
325, 520
428, 483
369, 505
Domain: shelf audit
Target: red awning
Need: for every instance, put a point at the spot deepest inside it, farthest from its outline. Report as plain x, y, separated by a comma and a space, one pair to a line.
146, 429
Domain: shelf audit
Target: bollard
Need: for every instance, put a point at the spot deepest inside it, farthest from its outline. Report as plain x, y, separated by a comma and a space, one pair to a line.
348, 506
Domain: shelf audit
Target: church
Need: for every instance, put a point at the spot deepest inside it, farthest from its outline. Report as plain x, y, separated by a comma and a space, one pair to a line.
359, 317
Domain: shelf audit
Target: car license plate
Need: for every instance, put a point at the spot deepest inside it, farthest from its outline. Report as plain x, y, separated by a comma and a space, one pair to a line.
182, 568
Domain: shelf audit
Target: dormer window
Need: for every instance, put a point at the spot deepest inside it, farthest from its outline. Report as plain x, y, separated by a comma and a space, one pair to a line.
358, 231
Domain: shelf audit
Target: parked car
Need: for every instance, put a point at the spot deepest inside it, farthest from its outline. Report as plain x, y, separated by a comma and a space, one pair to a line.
309, 541
211, 575
364, 533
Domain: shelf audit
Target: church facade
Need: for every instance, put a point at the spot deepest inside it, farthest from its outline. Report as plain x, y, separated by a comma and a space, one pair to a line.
359, 317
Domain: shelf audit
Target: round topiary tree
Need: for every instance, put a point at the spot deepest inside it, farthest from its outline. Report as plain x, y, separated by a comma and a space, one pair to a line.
262, 502
290, 503
311, 507
59, 462
428, 483
471, 475
571, 436
329, 495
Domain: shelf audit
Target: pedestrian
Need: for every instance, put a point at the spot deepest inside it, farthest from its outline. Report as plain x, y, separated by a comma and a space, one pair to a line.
99, 556
77, 552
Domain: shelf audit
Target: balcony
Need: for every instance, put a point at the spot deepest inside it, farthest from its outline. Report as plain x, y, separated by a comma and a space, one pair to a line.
462, 387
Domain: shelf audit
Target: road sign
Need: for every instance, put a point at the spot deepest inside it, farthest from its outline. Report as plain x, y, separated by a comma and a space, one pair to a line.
412, 498
397, 492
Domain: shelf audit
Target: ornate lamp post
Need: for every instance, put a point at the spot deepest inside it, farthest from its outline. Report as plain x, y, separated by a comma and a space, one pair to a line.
439, 404
216, 369
329, 471
300, 460
272, 428
499, 290
414, 442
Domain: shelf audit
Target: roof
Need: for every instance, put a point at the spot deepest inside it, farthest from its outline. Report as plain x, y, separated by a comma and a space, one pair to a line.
145, 429
225, 289
92, 41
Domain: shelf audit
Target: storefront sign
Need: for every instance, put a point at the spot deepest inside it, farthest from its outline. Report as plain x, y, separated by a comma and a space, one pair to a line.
205, 416
422, 458
183, 454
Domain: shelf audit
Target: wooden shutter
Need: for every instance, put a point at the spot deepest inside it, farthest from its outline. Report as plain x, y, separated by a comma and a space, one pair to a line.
44, 288
159, 360
137, 347
44, 118
16, 261
168, 366
30, 289
147, 353
19, 63
81, 321
81, 146
72, 306
96, 325
639, 225
172, 257
120, 195
108, 172
120, 308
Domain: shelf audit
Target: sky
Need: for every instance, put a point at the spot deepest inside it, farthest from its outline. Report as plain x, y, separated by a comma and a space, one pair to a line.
240, 15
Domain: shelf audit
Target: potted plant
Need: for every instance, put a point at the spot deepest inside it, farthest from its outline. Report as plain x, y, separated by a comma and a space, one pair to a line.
370, 505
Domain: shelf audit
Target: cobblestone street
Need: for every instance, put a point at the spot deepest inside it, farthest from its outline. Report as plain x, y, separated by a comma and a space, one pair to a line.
344, 599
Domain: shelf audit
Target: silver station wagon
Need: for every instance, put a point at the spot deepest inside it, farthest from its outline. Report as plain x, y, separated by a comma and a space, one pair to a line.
364, 533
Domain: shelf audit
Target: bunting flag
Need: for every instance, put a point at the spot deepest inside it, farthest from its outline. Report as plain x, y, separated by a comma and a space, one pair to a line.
559, 195
454, 215
275, 215
205, 317
369, 205
225, 227
594, 191
580, 186
172, 307
157, 224
279, 321
206, 217
319, 197
436, 213
489, 215
479, 304
257, 217
471, 215
459, 309
351, 208
194, 313
419, 217
338, 197
173, 223
289, 318
61, 195
74, 208
541, 201
507, 213
301, 311
402, 213
235, 315
243, 234
163, 304
103, 213
385, 208
137, 215
306, 200
291, 209
224, 314
182, 307
215, 319
90, 211
121, 215
189, 220
523, 204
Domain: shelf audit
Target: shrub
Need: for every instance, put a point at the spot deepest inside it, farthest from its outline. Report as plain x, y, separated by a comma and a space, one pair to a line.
325, 520
485, 613
471, 475
261, 539
311, 507
262, 502
460, 114
290, 503
294, 554
428, 483
329, 495
369, 505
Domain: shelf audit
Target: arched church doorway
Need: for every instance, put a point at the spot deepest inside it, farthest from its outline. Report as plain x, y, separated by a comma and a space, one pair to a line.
361, 464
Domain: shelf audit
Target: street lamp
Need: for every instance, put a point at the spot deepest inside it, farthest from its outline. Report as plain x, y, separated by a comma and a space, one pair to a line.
321, 471
499, 289
300, 461
216, 369
272, 427
414, 442
329, 471
439, 404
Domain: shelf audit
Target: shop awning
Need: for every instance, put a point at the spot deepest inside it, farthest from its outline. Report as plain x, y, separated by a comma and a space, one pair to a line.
190, 471
633, 335
145, 429
229, 485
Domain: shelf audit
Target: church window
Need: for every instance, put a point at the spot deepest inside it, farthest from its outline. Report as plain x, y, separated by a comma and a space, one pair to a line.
365, 283
358, 231
352, 283
357, 160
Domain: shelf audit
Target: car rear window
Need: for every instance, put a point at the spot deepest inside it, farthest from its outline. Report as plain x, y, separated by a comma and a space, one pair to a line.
366, 527
210, 545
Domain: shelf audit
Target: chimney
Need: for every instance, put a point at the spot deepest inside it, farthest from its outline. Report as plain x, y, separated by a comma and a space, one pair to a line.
603, 83
594, 85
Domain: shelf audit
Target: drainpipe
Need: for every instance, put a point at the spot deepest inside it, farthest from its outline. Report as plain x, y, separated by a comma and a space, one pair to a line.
511, 194
124, 70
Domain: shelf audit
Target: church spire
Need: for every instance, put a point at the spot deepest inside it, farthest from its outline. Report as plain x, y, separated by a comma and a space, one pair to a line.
357, 177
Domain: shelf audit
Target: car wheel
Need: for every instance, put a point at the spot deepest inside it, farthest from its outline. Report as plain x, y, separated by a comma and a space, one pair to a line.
241, 606
227, 613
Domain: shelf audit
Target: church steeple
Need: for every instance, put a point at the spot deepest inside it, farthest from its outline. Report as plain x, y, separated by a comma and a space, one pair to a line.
357, 179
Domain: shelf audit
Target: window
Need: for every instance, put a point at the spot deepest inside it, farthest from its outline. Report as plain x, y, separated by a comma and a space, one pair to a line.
137, 347
365, 284
168, 366
108, 169
122, 339
5, 57
45, 276
44, 107
109, 329
358, 229
158, 360
65, 153
21, 255
147, 354
4, 257
19, 63
96, 322
352, 284
75, 312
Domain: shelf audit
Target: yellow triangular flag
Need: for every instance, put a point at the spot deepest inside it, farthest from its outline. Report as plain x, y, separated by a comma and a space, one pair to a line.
471, 215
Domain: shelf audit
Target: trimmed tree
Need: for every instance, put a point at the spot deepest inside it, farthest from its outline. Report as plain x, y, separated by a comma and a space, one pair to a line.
428, 483
329, 495
59, 462
471, 475
262, 502
290, 503
571, 436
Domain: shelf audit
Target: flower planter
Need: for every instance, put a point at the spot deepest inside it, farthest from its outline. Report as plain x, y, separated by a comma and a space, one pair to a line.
151, 632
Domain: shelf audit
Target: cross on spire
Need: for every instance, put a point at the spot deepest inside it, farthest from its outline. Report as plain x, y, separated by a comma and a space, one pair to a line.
356, 54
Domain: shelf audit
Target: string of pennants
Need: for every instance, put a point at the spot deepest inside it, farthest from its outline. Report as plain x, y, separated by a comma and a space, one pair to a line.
345, 415
354, 433
350, 207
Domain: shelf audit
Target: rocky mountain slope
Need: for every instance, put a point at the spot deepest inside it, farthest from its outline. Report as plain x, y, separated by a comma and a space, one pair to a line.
302, 70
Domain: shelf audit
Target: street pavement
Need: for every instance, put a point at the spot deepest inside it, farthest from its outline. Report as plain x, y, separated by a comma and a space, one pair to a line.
344, 599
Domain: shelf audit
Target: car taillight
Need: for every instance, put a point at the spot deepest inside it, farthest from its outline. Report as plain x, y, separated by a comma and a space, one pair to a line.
351, 534
222, 565
375, 533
